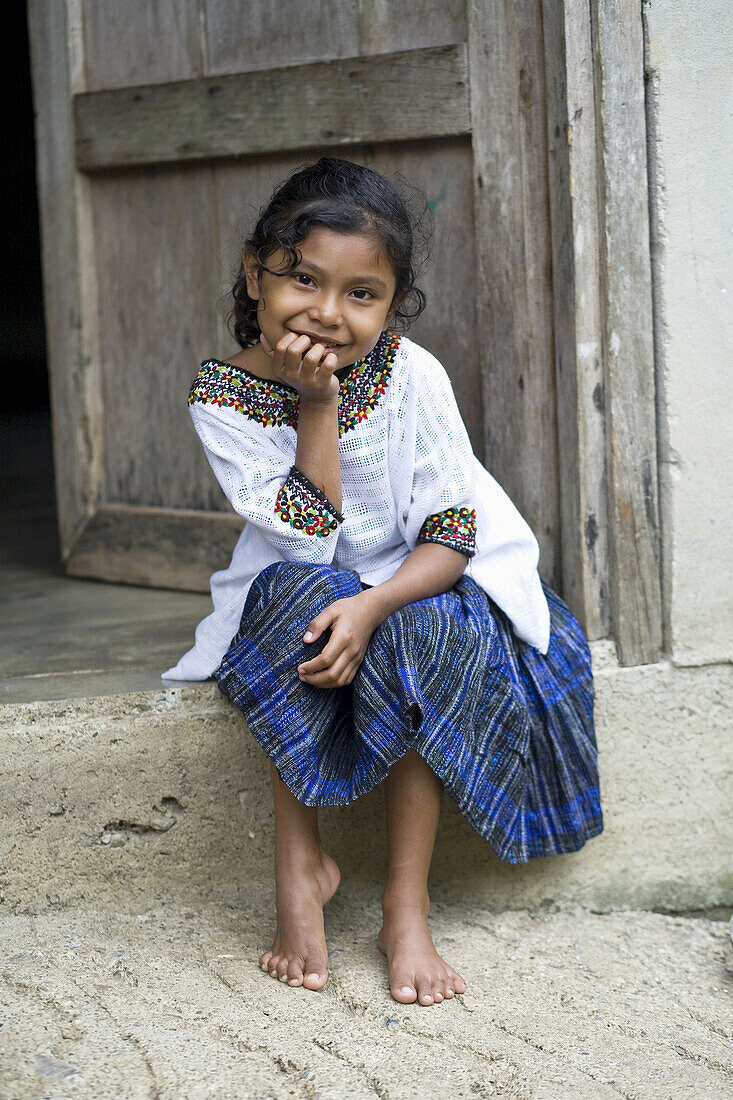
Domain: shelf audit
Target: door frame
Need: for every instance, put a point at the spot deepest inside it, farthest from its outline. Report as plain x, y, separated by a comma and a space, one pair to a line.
601, 271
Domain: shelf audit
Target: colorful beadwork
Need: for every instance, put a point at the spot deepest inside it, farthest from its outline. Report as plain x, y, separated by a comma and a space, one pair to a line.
302, 504
274, 403
455, 527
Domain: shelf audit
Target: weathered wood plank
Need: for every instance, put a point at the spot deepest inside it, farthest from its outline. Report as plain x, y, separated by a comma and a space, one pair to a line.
145, 43
514, 292
384, 25
240, 35
72, 376
388, 97
578, 353
246, 37
628, 340
160, 547
155, 265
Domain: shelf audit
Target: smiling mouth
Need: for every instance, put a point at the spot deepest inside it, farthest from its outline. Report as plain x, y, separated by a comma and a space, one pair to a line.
321, 340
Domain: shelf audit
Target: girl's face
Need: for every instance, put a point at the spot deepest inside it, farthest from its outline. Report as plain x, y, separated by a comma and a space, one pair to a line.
340, 294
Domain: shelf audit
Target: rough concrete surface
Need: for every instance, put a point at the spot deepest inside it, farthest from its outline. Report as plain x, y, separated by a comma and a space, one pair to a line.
169, 790
170, 1003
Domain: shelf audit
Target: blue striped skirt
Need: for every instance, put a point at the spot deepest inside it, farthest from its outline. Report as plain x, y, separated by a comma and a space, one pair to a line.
508, 730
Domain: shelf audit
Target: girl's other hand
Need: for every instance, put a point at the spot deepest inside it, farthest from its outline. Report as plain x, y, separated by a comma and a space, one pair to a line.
304, 365
352, 624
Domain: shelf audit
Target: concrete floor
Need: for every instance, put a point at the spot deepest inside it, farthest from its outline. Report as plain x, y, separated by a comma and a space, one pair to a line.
169, 1002
62, 637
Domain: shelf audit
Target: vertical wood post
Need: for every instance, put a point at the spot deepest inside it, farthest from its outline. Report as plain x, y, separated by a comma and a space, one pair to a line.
627, 330
68, 268
576, 284
514, 294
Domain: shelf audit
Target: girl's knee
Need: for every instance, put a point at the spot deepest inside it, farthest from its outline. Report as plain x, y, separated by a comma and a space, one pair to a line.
286, 577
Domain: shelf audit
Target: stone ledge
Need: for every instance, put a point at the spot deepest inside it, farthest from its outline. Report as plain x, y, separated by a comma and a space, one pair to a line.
167, 788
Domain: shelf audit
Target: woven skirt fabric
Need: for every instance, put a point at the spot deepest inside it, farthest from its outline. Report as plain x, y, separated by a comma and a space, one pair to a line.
508, 730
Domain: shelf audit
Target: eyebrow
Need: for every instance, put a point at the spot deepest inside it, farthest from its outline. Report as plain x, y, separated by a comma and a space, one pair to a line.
357, 278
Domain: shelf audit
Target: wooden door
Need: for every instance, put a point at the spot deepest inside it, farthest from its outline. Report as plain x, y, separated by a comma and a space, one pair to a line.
161, 129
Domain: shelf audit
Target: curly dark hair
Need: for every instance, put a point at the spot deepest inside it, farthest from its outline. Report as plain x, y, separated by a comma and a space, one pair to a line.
348, 198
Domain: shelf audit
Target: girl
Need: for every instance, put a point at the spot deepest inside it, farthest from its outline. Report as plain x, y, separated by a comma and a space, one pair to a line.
382, 617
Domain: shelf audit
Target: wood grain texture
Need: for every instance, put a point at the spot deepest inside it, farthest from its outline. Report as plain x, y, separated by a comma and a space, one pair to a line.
385, 25
577, 320
246, 37
155, 265
514, 289
163, 548
72, 376
628, 344
389, 97
143, 43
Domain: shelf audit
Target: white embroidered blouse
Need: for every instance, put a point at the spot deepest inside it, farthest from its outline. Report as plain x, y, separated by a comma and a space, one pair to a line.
408, 476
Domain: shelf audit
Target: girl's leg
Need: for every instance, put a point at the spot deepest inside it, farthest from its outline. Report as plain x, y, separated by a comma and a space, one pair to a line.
305, 879
416, 971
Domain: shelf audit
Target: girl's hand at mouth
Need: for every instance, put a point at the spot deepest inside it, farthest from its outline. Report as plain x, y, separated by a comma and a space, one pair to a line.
304, 365
352, 623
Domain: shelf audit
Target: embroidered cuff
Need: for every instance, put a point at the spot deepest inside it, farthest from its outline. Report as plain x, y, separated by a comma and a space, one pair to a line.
302, 504
455, 527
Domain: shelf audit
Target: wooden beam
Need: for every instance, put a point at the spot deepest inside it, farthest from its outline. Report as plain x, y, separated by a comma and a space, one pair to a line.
576, 250
161, 547
399, 96
514, 292
627, 331
68, 271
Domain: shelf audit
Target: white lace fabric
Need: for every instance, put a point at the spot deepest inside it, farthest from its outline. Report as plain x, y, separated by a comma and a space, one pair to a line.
408, 475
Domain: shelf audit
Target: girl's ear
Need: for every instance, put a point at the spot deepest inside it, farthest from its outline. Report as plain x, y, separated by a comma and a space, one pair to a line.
251, 268
396, 303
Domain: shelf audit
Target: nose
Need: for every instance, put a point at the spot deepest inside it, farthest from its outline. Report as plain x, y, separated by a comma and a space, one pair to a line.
325, 310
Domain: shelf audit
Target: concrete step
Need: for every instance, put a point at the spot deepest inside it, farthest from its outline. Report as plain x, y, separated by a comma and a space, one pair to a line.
167, 791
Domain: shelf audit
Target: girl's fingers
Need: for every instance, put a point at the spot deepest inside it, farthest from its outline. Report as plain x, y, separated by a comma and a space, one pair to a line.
284, 350
330, 677
325, 659
322, 622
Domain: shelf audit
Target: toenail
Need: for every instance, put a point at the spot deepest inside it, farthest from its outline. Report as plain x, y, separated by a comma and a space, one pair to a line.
283, 977
314, 977
407, 989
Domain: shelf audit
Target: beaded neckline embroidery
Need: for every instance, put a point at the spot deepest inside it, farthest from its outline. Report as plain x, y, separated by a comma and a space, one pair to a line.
271, 403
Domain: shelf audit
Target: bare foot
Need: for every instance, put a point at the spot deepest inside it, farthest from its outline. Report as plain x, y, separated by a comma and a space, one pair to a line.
299, 955
416, 970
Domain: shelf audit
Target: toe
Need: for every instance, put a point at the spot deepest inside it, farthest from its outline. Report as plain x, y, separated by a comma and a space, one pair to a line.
315, 973
265, 960
459, 984
295, 973
282, 969
438, 994
404, 992
425, 992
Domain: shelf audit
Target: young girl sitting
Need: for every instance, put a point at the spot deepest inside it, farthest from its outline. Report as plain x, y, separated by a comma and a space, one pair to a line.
382, 617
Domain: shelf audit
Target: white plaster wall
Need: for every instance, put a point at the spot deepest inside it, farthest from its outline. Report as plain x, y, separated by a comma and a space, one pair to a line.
689, 65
